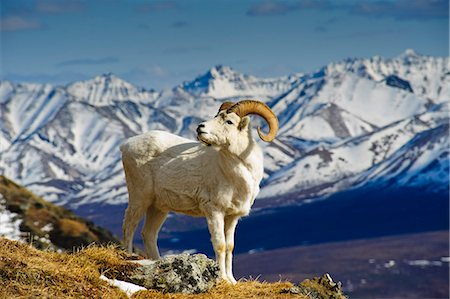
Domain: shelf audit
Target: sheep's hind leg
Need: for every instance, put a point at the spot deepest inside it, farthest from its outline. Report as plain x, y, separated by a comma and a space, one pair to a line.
216, 229
153, 222
230, 227
133, 215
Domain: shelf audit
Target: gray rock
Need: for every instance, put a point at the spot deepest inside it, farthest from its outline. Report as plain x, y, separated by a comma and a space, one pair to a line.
184, 273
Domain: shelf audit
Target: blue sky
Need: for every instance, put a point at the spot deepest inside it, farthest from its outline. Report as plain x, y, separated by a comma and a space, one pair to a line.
159, 44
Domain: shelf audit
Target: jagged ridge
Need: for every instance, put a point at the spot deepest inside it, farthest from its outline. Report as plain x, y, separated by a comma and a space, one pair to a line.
337, 124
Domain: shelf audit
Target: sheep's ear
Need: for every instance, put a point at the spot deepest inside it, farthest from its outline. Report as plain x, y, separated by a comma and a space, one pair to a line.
244, 123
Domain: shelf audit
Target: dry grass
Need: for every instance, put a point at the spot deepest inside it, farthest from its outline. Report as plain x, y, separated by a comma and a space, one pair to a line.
26, 272
75, 228
243, 290
110, 261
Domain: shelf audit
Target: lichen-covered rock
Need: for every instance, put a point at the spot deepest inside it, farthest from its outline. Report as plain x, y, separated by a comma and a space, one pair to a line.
184, 273
318, 288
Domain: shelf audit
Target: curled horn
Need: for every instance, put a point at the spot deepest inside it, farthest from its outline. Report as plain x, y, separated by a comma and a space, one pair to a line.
246, 107
225, 106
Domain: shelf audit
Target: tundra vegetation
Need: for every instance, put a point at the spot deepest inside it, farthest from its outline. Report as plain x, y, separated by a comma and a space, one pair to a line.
27, 272
48, 272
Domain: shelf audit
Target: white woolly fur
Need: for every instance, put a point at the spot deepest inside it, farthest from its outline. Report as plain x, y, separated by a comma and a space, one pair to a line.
217, 178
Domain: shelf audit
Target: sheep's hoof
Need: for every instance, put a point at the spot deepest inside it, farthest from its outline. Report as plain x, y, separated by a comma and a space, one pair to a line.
224, 279
228, 280
232, 280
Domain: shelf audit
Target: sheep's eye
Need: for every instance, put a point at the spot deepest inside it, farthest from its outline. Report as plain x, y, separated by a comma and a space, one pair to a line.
229, 122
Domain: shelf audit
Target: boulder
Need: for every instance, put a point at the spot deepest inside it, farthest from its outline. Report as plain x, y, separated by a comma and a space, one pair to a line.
184, 273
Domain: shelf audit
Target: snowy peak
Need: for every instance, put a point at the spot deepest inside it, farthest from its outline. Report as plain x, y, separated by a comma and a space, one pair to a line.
206, 83
426, 76
106, 89
222, 71
223, 82
409, 55
6, 90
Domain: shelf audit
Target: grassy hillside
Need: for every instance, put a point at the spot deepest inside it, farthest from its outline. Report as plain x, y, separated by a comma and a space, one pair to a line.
46, 225
27, 272
37, 268
31, 273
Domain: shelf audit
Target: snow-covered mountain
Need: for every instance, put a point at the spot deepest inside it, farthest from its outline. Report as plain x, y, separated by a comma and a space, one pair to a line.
351, 123
412, 151
223, 82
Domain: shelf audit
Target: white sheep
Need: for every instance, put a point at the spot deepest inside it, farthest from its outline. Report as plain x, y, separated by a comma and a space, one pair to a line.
217, 178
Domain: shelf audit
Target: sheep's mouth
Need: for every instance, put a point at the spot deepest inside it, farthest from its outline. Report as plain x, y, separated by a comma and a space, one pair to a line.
199, 137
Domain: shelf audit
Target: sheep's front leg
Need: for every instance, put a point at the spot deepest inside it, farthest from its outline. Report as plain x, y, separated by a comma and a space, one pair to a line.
230, 227
216, 229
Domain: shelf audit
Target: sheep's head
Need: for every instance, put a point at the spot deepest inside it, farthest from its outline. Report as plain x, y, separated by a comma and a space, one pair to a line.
232, 123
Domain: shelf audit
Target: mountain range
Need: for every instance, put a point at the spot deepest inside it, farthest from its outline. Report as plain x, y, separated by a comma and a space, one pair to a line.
357, 123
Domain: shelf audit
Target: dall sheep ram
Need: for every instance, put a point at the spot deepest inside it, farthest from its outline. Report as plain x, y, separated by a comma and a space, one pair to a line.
217, 178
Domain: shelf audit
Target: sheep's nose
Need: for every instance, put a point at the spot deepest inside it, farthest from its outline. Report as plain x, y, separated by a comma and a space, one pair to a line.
199, 128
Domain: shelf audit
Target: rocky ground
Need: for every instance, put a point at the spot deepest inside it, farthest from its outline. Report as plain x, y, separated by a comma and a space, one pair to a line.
94, 272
